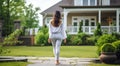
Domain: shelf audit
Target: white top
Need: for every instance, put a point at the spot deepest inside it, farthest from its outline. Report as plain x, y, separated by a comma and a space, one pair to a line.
59, 29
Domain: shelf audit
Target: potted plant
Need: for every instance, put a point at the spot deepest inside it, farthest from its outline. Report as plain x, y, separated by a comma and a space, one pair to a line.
108, 53
117, 45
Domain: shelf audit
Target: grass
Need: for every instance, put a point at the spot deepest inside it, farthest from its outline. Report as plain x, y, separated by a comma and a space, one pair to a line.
46, 51
13, 64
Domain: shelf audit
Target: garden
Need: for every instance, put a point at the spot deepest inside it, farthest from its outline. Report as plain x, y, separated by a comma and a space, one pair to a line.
102, 45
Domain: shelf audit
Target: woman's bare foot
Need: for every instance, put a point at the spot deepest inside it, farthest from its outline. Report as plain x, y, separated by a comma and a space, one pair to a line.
57, 62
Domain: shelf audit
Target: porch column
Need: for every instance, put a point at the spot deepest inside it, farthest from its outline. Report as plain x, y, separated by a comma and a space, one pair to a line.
65, 19
117, 19
99, 16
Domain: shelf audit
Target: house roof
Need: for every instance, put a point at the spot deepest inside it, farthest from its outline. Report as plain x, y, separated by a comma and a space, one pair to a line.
70, 4
57, 6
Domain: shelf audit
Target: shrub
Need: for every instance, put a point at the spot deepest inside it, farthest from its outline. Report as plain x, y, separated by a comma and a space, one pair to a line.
68, 39
91, 40
83, 38
42, 37
117, 45
12, 39
98, 31
117, 35
3, 50
80, 27
76, 40
106, 38
107, 47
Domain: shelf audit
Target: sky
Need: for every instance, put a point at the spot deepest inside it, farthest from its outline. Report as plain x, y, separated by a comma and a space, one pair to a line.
43, 5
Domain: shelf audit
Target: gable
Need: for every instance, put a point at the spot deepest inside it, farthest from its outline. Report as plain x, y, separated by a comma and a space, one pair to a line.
57, 6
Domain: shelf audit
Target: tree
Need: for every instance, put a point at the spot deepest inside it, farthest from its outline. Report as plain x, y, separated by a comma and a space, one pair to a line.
10, 11
98, 31
31, 17
80, 27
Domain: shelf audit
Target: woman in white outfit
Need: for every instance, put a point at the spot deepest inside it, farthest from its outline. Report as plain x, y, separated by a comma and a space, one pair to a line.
56, 34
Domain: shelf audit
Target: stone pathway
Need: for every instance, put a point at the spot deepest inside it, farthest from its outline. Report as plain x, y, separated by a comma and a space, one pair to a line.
49, 61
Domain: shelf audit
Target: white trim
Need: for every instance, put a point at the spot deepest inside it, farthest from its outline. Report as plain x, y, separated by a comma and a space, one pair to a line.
79, 18
99, 16
88, 2
117, 20
95, 2
91, 9
65, 19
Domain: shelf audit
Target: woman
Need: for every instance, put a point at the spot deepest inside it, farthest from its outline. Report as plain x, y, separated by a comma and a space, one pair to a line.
56, 34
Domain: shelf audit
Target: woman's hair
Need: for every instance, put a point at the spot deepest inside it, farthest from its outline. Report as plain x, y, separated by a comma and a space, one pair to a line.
56, 18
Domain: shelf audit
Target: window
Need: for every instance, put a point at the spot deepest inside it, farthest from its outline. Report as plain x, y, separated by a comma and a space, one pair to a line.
86, 22
78, 2
92, 23
105, 2
85, 2
48, 20
92, 2
75, 18
75, 23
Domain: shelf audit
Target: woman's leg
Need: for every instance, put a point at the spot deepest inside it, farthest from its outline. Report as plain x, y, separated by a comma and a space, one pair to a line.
54, 46
58, 44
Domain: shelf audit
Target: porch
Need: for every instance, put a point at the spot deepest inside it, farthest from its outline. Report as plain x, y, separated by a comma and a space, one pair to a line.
108, 16
91, 29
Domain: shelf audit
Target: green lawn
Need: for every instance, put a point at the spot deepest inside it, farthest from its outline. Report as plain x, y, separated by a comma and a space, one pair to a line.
66, 51
46, 51
13, 64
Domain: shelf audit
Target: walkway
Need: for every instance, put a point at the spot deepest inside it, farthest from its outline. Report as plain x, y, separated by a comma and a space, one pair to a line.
49, 61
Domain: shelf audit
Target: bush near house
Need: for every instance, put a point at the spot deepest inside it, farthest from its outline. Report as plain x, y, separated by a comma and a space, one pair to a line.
80, 39
108, 47
106, 38
117, 35
117, 45
42, 37
98, 31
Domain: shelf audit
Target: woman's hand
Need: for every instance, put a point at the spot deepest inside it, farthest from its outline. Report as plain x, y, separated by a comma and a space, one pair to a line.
49, 40
64, 40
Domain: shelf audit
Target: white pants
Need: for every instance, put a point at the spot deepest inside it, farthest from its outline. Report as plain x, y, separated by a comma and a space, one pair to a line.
56, 43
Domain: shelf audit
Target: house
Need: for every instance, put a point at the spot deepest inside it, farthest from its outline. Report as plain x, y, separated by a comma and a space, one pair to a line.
90, 12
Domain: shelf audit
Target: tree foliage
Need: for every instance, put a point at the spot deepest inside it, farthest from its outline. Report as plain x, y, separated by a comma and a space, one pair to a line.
11, 10
31, 16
